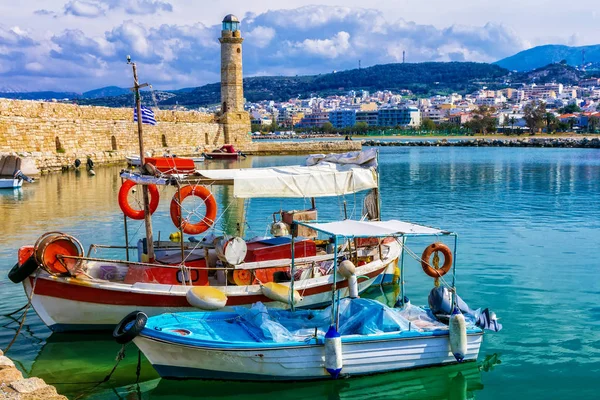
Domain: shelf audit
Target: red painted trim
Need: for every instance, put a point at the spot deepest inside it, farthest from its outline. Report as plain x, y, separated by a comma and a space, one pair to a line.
87, 294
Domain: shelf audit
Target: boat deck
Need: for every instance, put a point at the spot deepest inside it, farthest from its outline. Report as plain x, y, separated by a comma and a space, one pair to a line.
257, 327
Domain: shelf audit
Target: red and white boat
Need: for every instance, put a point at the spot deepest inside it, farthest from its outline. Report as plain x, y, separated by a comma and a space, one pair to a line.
226, 152
71, 291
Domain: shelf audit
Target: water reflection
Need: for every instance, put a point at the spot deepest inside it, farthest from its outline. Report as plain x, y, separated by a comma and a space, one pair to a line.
75, 364
527, 220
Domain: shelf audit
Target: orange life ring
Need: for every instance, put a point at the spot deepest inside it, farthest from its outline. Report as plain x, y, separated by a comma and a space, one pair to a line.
429, 250
130, 211
211, 209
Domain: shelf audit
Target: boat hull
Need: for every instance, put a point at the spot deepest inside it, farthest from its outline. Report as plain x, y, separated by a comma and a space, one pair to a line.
222, 156
303, 362
68, 304
11, 183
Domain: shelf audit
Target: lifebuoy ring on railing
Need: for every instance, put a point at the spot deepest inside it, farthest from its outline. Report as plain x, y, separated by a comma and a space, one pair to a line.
429, 250
126, 207
209, 202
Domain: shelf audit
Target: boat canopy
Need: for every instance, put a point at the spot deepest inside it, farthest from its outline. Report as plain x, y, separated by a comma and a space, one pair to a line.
322, 180
351, 228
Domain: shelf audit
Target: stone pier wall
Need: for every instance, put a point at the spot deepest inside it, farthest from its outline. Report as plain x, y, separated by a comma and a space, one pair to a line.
304, 147
55, 134
14, 387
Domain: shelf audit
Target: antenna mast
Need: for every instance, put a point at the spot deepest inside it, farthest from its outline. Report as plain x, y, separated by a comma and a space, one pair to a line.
147, 216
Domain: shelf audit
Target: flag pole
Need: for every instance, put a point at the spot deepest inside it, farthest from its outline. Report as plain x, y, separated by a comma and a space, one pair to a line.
145, 195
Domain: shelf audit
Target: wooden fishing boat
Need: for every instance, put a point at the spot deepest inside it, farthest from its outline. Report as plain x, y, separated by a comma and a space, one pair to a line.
350, 338
75, 292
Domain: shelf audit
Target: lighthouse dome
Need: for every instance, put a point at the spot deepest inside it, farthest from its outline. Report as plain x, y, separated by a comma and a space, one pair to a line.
231, 23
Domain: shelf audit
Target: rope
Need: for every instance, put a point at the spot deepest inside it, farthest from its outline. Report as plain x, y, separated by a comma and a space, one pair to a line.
120, 356
24, 315
417, 258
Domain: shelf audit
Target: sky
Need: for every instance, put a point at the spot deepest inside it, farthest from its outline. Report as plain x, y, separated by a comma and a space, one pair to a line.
79, 45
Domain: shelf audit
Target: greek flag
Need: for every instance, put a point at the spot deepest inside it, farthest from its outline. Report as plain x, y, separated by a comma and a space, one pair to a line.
147, 116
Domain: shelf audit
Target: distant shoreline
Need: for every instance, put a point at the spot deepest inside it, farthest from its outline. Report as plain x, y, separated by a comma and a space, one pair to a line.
529, 141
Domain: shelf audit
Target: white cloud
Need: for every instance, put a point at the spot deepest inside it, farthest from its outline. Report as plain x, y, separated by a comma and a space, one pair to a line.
327, 48
306, 40
261, 36
87, 9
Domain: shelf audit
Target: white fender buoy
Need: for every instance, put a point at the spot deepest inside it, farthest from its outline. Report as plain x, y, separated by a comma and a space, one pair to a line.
346, 268
353, 286
206, 298
232, 250
279, 292
458, 335
333, 352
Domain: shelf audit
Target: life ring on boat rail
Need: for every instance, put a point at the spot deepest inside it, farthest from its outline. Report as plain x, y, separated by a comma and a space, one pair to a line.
211, 209
130, 327
434, 248
126, 207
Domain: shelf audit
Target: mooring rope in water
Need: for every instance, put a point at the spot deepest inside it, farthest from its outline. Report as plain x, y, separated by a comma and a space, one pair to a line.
120, 356
24, 315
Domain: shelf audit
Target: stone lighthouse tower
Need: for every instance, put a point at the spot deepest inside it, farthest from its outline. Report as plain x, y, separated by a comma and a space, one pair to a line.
235, 121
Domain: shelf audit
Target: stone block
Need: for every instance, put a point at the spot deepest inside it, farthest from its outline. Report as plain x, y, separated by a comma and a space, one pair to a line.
9, 375
28, 385
6, 362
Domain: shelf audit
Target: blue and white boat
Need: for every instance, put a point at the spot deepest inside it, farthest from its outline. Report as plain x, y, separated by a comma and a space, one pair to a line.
351, 337
11, 176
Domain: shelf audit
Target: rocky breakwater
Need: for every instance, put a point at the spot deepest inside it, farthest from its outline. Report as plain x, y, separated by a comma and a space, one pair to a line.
14, 386
570, 142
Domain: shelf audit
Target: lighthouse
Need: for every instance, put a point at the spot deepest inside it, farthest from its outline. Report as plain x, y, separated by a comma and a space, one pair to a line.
235, 121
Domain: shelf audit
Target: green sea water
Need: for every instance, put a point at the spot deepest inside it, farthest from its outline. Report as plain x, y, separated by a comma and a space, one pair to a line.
528, 223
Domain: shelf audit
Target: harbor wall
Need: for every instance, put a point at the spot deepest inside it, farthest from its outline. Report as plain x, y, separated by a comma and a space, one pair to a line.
55, 134
304, 147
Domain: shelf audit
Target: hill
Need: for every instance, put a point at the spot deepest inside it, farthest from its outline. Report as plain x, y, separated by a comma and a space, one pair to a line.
109, 91
422, 79
539, 56
559, 73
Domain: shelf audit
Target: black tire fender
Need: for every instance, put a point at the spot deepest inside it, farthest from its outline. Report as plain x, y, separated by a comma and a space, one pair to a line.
19, 273
130, 327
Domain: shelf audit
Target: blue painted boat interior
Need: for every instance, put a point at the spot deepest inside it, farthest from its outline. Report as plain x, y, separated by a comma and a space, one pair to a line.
259, 327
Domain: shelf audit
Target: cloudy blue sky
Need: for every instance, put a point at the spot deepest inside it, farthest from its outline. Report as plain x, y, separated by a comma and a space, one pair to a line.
80, 45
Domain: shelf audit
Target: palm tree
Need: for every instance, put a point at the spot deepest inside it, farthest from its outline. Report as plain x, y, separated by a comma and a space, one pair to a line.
549, 119
512, 121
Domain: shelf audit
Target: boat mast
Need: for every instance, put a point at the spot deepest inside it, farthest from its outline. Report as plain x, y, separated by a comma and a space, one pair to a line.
147, 215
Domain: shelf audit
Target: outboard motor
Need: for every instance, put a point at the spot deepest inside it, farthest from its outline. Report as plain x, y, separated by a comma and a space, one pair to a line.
440, 304
21, 175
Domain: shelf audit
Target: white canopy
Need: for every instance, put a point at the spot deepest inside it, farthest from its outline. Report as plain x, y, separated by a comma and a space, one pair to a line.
322, 180
350, 228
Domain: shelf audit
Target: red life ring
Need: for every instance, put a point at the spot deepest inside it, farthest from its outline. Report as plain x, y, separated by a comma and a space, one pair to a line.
429, 250
211, 209
130, 211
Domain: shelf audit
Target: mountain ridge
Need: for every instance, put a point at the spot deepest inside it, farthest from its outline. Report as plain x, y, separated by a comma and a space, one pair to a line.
539, 56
